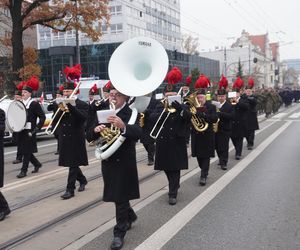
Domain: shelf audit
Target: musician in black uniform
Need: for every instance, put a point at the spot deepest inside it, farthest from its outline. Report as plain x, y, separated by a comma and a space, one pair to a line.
203, 142
119, 171
252, 122
27, 137
222, 136
4, 208
239, 123
72, 149
147, 141
171, 151
17, 97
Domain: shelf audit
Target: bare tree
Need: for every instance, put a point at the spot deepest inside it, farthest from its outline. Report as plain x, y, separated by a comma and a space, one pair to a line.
190, 45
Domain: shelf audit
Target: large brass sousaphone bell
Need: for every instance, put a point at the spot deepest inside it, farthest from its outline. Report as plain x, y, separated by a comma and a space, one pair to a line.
136, 68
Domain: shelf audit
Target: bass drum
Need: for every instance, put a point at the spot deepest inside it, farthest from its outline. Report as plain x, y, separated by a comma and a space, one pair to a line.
15, 114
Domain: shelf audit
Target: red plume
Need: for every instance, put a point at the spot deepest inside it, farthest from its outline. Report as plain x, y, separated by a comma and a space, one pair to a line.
33, 83
188, 80
223, 83
250, 82
202, 82
174, 76
108, 85
20, 86
73, 73
61, 87
94, 89
238, 84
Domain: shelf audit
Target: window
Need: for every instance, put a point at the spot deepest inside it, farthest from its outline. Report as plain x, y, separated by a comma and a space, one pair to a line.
116, 28
116, 10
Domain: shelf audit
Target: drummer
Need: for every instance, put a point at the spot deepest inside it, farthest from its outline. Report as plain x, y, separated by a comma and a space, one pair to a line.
27, 136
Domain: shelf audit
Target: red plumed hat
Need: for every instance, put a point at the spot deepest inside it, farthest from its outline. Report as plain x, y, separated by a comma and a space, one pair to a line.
73, 73
188, 80
250, 83
108, 86
238, 84
94, 90
20, 85
223, 83
32, 84
174, 76
202, 82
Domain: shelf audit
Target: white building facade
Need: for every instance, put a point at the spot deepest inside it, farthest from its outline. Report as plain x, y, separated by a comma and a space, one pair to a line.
159, 19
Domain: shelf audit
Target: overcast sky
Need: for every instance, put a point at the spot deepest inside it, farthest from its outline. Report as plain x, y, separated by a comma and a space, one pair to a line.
220, 22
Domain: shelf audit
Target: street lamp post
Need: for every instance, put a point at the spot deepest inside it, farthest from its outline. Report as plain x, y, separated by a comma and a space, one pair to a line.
77, 35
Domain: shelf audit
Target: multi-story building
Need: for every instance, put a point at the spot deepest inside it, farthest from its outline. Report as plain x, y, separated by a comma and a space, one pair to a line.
259, 59
158, 19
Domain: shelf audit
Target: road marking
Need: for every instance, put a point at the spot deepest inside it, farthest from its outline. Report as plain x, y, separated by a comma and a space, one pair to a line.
159, 238
279, 115
43, 146
295, 115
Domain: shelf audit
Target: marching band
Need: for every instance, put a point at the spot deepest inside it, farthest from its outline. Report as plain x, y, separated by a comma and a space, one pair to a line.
210, 125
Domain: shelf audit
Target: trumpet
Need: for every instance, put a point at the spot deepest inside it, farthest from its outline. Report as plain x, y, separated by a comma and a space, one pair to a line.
64, 110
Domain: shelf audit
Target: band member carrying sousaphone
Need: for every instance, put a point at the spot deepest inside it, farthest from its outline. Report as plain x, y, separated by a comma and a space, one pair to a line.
27, 137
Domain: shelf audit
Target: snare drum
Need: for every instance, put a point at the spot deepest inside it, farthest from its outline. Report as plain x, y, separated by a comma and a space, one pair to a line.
15, 114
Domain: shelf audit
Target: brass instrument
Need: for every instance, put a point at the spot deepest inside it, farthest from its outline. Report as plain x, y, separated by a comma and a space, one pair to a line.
64, 110
199, 124
142, 120
216, 124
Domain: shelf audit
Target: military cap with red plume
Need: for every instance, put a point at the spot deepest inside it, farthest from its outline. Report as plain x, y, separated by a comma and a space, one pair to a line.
238, 84
32, 84
94, 90
188, 80
174, 76
60, 89
73, 73
108, 86
223, 85
202, 84
250, 83
19, 88
69, 85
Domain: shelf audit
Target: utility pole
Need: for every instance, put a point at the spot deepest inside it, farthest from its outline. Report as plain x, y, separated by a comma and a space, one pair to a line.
249, 59
77, 35
225, 62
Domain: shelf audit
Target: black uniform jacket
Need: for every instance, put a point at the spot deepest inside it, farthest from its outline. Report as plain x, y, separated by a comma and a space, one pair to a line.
239, 123
226, 115
26, 141
2, 128
119, 171
72, 148
252, 122
203, 143
171, 150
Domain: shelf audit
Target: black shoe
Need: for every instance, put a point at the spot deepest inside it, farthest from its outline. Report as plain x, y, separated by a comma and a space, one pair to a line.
172, 201
36, 169
117, 243
150, 163
67, 195
4, 213
21, 175
237, 157
16, 161
224, 167
250, 147
202, 181
82, 187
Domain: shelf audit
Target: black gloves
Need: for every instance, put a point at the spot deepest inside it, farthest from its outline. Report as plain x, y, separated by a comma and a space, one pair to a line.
177, 106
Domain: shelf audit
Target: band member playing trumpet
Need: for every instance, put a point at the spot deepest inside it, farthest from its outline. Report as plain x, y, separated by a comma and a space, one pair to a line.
239, 123
119, 171
222, 136
71, 136
203, 139
27, 137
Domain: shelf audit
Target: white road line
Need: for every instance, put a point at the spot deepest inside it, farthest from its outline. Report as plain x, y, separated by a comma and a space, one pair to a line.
159, 238
279, 115
295, 115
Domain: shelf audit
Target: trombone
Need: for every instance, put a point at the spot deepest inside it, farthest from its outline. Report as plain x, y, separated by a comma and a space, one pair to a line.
51, 132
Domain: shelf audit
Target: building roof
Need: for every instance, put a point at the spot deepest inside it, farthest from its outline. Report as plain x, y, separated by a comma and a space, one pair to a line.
260, 41
275, 50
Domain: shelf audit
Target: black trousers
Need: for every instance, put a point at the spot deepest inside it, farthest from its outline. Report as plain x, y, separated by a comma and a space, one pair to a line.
204, 166
3, 203
75, 173
238, 145
29, 158
150, 148
250, 137
222, 147
124, 214
174, 182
